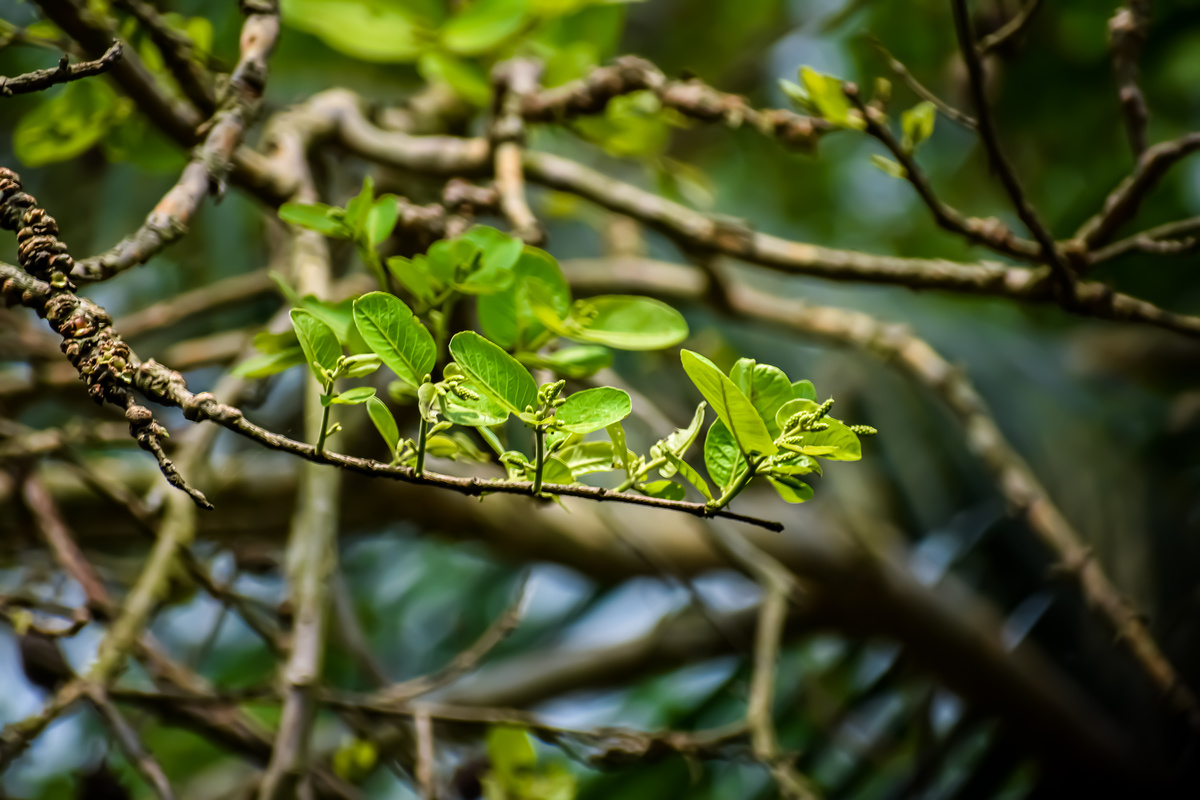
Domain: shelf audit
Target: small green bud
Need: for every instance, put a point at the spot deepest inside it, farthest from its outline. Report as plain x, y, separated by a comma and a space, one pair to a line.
863, 430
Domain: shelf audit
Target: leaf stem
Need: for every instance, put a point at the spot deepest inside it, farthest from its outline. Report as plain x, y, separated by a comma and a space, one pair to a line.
326, 409
539, 454
629, 482
736, 488
422, 437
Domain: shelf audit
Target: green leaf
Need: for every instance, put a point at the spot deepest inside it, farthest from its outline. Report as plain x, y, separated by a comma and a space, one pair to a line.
836, 443
576, 363
385, 423
722, 458
616, 432
414, 276
826, 99
792, 490
395, 335
916, 124
267, 342
555, 470
360, 365
888, 166
267, 364
767, 388
510, 750
381, 220
586, 458
678, 441
355, 396
427, 396
593, 409
508, 317
731, 405
464, 77
319, 342
473, 413
804, 390
483, 25
325, 220
691, 476
497, 374
69, 123
359, 208
499, 253
364, 29
664, 490
626, 322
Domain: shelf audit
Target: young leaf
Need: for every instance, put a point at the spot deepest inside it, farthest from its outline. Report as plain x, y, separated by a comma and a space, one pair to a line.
766, 387
358, 366
497, 374
792, 490
463, 76
576, 363
722, 458
588, 457
267, 342
382, 220
359, 208
691, 476
804, 390
413, 275
320, 344
836, 443
731, 405
827, 99
508, 317
916, 124
678, 441
664, 490
626, 322
325, 220
385, 423
616, 432
267, 364
555, 470
593, 409
483, 25
479, 411
395, 335
500, 251
355, 396
888, 166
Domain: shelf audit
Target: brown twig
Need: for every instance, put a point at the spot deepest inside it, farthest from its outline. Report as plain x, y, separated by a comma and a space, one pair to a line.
1123, 202
209, 167
989, 233
101, 359
178, 54
1128, 31
1010, 29
64, 72
897, 66
218, 294
129, 741
1064, 276
1172, 238
513, 81
402, 693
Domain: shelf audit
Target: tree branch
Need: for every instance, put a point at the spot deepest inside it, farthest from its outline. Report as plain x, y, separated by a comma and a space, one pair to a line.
64, 72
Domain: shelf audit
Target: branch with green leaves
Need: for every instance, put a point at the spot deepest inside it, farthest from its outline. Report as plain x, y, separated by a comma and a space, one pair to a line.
767, 426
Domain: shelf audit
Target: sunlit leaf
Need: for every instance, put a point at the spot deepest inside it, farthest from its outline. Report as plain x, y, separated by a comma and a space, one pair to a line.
593, 409
319, 342
395, 335
731, 405
497, 374
482, 25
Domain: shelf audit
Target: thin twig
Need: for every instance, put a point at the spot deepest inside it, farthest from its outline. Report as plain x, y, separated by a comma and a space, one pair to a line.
897, 66
514, 80
178, 54
1128, 31
464, 662
1010, 29
131, 744
64, 72
209, 167
1063, 274
1172, 238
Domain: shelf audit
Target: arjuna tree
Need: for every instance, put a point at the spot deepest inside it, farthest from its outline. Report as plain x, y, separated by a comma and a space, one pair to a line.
470, 382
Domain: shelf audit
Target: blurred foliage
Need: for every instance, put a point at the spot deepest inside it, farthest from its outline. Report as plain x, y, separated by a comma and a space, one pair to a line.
1109, 418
